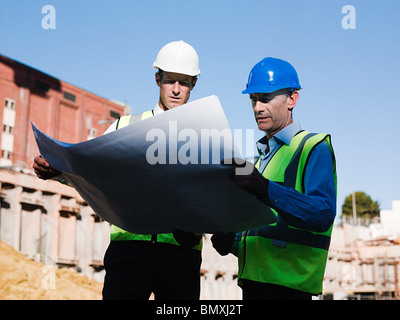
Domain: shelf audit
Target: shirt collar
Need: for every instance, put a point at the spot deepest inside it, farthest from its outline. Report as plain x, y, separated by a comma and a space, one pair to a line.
283, 136
157, 110
286, 134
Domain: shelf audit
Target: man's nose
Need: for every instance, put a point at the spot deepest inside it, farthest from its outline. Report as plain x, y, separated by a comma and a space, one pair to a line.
259, 106
176, 88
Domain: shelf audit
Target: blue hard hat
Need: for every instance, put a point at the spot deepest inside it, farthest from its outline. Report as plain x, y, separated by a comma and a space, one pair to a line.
271, 74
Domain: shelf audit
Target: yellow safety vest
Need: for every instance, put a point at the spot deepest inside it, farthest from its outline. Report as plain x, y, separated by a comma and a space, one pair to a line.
280, 253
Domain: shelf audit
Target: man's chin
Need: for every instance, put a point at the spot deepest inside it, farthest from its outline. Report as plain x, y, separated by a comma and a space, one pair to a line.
174, 105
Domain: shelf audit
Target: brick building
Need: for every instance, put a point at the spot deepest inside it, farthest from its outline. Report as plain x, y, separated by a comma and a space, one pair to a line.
60, 109
46, 220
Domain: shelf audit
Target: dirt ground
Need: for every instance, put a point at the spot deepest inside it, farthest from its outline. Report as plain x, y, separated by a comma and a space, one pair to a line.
24, 279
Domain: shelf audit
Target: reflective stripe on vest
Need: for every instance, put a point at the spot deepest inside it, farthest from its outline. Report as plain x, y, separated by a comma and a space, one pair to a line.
120, 234
131, 119
279, 253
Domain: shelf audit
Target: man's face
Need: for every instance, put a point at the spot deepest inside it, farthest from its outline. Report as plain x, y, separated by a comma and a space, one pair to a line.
174, 89
273, 111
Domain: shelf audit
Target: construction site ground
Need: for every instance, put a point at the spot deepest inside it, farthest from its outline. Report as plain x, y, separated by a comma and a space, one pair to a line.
25, 279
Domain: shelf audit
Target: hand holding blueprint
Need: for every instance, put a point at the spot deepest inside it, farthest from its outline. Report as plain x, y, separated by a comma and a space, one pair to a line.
161, 173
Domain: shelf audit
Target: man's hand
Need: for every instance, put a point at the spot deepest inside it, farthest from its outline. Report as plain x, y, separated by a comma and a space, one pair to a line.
187, 239
43, 170
223, 242
248, 178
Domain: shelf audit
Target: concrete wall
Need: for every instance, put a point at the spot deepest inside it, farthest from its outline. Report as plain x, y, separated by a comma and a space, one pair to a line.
363, 261
219, 274
49, 222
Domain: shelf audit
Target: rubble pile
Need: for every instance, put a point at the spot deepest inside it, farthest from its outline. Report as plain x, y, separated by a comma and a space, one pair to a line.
24, 279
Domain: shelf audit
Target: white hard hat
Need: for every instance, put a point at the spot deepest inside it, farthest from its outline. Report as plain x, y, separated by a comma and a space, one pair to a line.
179, 57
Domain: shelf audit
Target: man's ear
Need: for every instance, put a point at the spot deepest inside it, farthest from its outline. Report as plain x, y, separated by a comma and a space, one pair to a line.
194, 81
158, 79
293, 100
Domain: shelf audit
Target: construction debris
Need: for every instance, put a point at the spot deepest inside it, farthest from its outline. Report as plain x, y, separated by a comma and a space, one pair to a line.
24, 279
363, 263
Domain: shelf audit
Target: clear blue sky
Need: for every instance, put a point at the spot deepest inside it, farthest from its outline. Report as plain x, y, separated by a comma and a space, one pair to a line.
350, 77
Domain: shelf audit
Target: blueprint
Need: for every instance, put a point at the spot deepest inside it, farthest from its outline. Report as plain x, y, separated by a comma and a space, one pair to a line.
161, 173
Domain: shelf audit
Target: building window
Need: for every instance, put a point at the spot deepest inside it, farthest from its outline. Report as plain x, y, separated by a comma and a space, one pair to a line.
114, 114
92, 133
69, 96
7, 137
10, 104
5, 154
7, 129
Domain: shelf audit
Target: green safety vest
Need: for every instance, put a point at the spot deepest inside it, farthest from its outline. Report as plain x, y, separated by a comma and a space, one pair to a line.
280, 253
120, 234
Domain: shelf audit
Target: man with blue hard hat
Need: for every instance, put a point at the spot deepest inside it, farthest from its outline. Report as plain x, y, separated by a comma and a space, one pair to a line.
295, 176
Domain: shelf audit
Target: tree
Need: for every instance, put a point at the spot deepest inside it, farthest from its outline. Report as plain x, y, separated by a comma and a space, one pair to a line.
365, 206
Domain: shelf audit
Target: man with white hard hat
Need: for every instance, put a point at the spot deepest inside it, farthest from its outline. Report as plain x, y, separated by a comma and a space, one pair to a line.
167, 265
